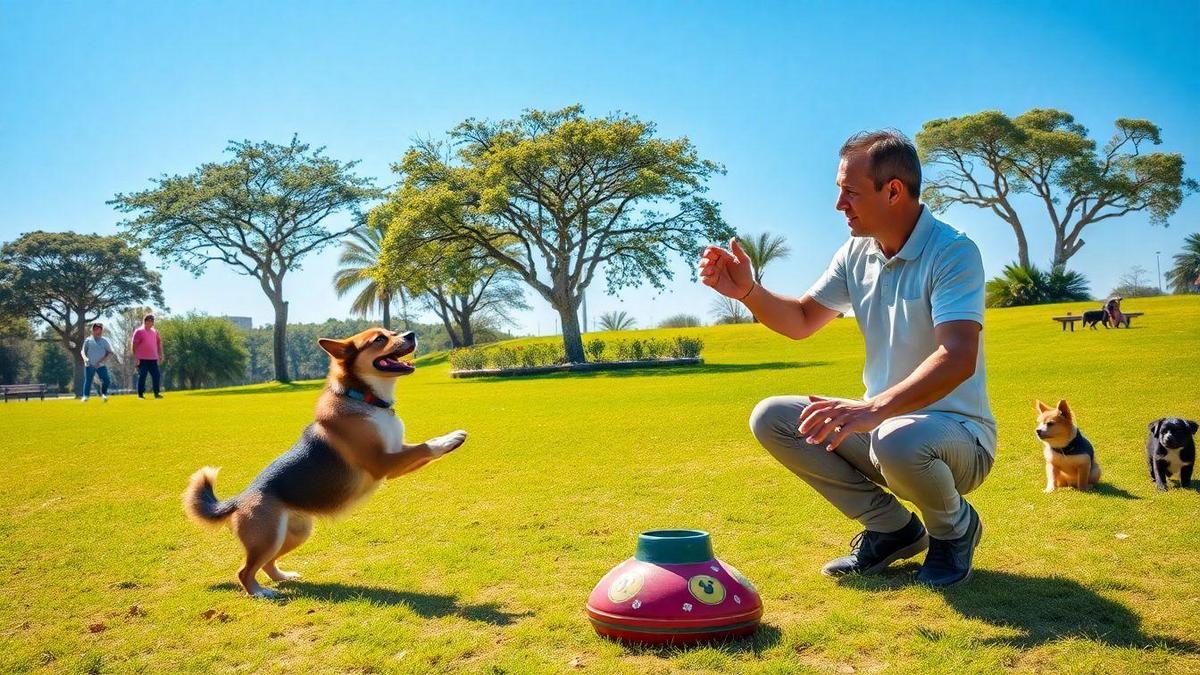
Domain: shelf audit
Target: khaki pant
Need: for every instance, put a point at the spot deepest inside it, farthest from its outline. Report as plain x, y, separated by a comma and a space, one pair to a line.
929, 459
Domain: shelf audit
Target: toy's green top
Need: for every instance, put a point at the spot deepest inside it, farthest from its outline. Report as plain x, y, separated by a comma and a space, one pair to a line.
674, 547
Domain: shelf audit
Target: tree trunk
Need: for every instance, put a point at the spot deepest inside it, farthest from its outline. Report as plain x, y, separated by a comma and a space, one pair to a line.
79, 330
386, 301
1022, 246
280, 341
572, 339
464, 327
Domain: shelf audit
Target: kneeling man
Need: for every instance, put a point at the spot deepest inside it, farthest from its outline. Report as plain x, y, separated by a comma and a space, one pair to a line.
924, 429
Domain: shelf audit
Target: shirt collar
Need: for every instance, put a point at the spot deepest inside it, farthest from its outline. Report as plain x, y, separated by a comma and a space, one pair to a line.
916, 240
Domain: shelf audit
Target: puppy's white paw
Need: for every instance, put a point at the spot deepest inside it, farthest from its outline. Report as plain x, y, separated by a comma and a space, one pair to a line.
443, 444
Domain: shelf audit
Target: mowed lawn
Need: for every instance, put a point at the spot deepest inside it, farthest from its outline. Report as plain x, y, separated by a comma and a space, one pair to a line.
482, 562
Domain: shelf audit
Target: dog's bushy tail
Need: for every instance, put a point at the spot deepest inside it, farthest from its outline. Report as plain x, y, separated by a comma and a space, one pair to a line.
200, 503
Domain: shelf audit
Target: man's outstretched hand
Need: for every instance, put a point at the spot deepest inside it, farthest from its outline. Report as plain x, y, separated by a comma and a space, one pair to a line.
728, 272
832, 420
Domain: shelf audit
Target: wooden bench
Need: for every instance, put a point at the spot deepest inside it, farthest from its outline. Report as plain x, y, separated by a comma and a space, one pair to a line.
23, 390
1070, 319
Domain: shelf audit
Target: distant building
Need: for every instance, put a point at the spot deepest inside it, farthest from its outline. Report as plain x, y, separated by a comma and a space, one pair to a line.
242, 322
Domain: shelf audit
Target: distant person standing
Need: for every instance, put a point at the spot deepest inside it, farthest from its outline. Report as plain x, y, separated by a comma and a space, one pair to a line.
95, 352
147, 353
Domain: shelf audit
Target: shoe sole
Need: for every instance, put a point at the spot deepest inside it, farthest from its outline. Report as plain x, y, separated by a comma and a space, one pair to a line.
907, 552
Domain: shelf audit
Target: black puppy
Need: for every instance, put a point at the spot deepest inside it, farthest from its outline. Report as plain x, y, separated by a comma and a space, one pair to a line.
1095, 316
1171, 450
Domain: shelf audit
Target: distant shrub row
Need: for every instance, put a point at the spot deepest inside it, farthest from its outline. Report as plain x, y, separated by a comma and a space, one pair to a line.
544, 354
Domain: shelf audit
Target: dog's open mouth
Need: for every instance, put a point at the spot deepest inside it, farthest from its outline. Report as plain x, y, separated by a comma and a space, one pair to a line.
395, 362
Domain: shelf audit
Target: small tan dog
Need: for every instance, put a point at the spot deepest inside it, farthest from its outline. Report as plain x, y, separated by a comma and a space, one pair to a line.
1070, 458
355, 442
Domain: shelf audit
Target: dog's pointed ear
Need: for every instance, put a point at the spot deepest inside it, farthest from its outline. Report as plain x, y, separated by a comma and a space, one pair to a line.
1040, 407
1154, 426
1064, 408
338, 349
1193, 426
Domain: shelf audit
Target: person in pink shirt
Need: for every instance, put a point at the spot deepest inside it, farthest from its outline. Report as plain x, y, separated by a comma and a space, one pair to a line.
147, 354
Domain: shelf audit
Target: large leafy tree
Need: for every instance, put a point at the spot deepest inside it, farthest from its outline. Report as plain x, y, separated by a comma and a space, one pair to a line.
259, 213
67, 280
16, 349
555, 196
988, 158
1184, 275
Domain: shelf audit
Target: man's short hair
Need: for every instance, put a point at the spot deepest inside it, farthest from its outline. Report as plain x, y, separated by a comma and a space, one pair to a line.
97, 325
148, 316
890, 155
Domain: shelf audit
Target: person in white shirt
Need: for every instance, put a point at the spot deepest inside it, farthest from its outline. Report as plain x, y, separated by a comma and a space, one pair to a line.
96, 352
924, 428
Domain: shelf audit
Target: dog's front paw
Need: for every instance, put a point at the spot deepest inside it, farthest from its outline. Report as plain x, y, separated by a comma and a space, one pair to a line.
264, 594
443, 444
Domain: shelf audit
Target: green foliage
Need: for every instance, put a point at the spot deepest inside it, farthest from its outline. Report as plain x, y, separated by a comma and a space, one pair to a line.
556, 190
16, 350
985, 158
1019, 285
260, 213
617, 321
468, 358
505, 357
595, 349
54, 366
358, 268
1184, 275
67, 280
680, 321
687, 347
204, 351
725, 310
763, 249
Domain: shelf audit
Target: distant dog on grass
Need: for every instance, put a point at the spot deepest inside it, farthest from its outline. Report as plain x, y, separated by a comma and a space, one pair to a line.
355, 442
1070, 458
1171, 451
1095, 316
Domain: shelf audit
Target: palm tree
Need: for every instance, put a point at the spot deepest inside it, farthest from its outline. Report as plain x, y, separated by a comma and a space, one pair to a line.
1020, 285
1184, 277
358, 265
616, 321
727, 310
763, 249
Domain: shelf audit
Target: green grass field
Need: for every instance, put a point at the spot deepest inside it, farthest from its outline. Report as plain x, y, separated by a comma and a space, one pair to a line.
482, 562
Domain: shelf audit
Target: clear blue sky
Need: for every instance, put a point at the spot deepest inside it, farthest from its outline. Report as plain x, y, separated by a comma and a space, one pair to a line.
99, 97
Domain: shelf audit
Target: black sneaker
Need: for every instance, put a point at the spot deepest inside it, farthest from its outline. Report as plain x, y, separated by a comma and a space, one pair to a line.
873, 551
949, 560
158, 396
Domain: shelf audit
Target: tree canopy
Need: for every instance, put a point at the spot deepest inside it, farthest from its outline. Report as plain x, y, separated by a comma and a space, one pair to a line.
259, 213
555, 196
67, 280
988, 158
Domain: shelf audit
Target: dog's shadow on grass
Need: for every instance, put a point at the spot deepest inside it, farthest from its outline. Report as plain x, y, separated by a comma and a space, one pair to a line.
425, 605
1039, 610
1110, 490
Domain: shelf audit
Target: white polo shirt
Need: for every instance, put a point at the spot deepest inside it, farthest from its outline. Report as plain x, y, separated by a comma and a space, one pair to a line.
937, 276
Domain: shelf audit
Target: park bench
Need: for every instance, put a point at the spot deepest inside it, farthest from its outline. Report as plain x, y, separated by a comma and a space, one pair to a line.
23, 390
1070, 319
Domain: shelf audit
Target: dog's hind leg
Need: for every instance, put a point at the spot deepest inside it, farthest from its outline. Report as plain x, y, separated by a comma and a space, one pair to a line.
1094, 474
299, 527
261, 526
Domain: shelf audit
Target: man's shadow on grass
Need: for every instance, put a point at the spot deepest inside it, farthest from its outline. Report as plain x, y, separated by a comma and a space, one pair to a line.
1041, 610
425, 605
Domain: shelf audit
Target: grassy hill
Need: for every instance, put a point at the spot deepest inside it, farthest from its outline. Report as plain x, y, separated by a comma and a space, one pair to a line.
482, 561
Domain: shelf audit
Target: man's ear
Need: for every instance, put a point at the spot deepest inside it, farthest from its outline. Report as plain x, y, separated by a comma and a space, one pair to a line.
1064, 408
338, 349
1041, 407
